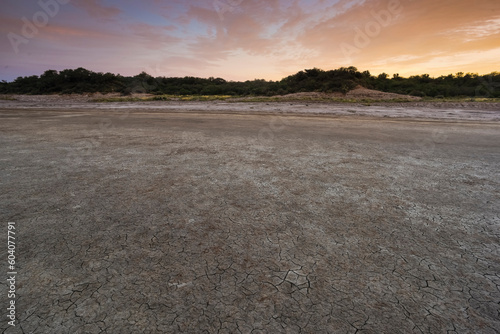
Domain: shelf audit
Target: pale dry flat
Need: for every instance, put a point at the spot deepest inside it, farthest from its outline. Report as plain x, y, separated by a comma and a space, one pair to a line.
154, 222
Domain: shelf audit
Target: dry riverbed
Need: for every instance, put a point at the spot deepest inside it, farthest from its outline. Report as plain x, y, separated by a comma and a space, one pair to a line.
482, 111
239, 218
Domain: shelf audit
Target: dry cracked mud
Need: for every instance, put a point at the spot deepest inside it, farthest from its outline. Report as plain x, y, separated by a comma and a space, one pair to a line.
157, 222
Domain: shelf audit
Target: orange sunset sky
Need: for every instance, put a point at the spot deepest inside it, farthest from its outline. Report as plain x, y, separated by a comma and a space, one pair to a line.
249, 39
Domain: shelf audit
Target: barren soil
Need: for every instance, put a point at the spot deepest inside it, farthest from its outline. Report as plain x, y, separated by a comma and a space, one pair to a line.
137, 219
480, 111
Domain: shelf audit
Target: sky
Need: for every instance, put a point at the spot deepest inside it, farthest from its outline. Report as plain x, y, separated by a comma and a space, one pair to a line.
249, 39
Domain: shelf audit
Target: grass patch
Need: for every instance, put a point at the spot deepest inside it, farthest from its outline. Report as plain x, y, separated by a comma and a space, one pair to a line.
165, 98
119, 99
461, 99
259, 99
7, 98
236, 99
205, 97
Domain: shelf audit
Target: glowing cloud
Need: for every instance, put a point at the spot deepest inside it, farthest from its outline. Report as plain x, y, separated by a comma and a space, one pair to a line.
247, 39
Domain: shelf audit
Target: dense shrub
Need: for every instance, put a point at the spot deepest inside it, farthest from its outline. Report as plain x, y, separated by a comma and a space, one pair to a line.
341, 80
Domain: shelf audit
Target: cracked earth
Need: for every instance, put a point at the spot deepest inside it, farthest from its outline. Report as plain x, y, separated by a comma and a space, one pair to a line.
157, 222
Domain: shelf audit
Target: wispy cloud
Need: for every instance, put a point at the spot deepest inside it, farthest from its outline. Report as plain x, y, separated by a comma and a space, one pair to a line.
265, 39
477, 30
96, 9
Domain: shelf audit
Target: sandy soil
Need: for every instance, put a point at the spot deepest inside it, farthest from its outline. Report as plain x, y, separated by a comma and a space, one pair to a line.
479, 111
357, 93
363, 93
148, 221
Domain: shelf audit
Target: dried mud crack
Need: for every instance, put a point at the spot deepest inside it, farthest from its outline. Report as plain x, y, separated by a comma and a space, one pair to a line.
144, 222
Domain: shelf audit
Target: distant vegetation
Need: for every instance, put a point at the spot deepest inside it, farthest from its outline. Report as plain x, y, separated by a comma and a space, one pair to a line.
341, 80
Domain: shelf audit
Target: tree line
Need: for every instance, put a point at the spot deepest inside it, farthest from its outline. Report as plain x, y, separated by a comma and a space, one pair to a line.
80, 80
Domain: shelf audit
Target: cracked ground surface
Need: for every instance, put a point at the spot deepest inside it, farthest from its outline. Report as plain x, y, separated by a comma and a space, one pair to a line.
144, 222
